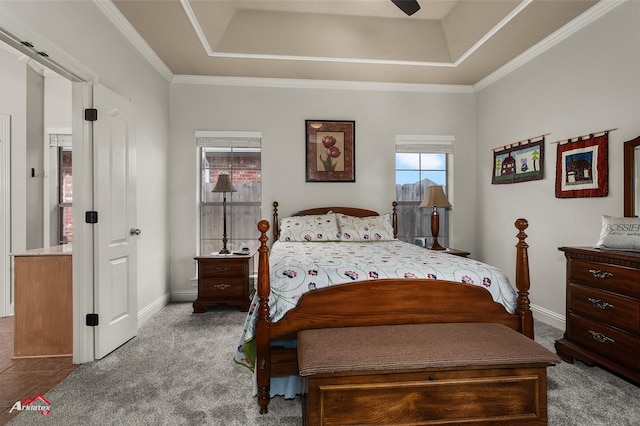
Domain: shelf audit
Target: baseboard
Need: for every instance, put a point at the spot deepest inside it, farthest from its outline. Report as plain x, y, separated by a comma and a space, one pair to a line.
184, 296
549, 317
153, 308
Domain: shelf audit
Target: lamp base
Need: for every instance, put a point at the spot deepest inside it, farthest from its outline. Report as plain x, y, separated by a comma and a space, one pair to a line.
435, 246
224, 251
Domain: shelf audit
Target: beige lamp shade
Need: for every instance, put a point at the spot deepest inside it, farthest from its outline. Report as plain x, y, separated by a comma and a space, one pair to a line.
435, 197
224, 184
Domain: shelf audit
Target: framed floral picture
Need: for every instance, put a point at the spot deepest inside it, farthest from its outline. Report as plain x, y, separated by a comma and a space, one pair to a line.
582, 168
330, 151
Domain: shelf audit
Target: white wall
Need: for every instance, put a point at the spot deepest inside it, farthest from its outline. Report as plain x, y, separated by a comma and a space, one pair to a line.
13, 86
83, 32
35, 159
57, 102
280, 113
589, 82
57, 119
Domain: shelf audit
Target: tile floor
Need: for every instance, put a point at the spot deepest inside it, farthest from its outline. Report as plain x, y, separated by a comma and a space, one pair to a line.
25, 377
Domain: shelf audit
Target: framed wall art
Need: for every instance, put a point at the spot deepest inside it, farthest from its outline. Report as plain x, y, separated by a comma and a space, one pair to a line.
519, 162
330, 151
582, 168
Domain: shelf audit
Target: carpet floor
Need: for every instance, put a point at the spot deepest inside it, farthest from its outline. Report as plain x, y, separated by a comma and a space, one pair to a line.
179, 370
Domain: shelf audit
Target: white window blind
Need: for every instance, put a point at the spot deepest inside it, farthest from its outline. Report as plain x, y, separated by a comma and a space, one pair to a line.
229, 139
441, 144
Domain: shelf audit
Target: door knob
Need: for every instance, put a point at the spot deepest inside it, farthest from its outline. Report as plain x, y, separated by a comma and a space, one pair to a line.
135, 231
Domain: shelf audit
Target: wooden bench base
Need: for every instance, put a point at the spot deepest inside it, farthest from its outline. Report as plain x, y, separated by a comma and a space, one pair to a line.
423, 375
502, 395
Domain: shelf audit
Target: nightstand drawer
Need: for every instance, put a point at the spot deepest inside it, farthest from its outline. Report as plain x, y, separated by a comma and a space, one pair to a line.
217, 287
605, 306
221, 269
614, 278
608, 341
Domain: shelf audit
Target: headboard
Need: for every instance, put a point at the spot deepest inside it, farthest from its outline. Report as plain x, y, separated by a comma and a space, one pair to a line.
351, 211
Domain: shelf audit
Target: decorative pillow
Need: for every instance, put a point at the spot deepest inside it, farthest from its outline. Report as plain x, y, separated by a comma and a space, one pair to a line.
620, 233
372, 228
309, 228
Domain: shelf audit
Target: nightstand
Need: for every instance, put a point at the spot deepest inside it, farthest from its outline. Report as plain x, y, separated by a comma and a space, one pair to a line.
224, 279
455, 252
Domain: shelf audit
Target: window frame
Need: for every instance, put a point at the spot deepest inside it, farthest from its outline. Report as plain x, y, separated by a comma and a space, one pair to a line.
222, 140
428, 144
58, 140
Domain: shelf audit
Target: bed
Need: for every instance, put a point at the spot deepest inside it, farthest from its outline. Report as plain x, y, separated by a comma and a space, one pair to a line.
381, 272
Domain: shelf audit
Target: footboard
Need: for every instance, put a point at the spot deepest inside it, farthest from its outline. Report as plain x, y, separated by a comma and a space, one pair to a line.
389, 301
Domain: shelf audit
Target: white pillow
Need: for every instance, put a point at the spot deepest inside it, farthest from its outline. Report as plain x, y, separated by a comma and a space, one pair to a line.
372, 228
309, 228
620, 233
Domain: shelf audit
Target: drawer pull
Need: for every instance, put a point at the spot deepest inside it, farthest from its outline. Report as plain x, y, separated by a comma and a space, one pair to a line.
599, 337
222, 286
601, 274
600, 304
223, 268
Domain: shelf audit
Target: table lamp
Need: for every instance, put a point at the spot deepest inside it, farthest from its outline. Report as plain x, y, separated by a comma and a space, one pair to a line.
435, 198
224, 185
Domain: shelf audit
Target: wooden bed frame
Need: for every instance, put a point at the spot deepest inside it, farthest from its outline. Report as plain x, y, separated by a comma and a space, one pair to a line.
389, 301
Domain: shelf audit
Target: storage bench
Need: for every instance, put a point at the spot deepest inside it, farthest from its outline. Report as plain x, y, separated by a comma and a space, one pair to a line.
423, 374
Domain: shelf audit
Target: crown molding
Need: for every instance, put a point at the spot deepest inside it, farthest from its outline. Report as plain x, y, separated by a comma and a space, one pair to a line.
118, 19
320, 84
593, 13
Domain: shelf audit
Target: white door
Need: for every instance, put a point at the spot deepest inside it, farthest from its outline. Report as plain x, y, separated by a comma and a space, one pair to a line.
115, 233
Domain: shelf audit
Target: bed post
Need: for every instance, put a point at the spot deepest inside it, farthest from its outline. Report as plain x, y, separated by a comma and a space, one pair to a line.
276, 224
522, 280
263, 326
394, 219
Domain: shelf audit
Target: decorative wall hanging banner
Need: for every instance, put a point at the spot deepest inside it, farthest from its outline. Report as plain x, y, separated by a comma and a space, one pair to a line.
582, 167
519, 162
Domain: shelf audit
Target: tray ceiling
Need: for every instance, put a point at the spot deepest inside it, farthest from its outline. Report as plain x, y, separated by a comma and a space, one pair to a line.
446, 42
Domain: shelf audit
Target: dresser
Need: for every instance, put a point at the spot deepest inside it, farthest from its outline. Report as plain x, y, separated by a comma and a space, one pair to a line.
224, 279
603, 310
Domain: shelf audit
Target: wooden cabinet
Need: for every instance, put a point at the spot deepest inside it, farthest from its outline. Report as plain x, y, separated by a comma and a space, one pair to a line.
603, 310
224, 280
43, 324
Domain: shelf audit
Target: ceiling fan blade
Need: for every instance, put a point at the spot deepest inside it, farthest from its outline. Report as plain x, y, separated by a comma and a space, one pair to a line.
407, 6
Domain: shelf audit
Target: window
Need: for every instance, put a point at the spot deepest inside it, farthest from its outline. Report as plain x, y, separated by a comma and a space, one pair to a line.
421, 161
65, 195
239, 156
59, 192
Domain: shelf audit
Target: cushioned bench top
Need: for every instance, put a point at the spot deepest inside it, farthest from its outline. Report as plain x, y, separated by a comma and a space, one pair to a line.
415, 346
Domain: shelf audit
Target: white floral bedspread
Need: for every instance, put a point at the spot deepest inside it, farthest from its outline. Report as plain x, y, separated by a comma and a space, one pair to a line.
298, 267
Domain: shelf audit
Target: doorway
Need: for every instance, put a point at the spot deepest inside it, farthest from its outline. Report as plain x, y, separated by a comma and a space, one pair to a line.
87, 269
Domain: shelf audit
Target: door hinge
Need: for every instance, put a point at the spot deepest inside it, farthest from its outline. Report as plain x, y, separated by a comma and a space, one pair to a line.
92, 320
91, 114
91, 217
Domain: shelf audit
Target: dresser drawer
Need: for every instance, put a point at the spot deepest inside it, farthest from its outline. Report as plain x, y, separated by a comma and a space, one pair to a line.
602, 275
221, 269
605, 306
615, 344
221, 287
